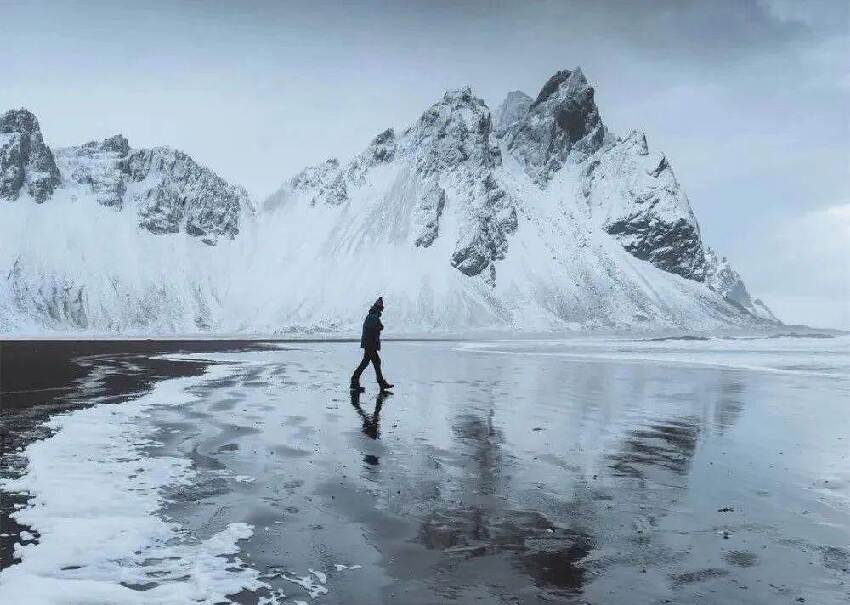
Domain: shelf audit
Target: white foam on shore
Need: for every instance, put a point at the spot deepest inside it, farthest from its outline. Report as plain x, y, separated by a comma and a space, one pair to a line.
96, 495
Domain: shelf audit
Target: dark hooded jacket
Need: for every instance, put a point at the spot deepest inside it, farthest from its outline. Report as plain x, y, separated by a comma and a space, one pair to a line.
372, 326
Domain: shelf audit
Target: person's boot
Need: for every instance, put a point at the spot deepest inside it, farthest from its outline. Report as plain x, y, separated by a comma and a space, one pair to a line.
355, 385
385, 386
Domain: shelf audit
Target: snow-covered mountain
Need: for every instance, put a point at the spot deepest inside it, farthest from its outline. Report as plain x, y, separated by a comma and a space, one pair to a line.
535, 218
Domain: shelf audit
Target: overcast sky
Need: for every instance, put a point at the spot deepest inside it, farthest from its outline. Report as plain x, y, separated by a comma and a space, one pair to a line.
748, 98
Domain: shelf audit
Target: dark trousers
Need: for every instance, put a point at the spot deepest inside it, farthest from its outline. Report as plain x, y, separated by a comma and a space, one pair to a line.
369, 355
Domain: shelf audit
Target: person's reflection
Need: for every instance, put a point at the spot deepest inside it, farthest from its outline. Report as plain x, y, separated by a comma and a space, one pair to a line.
371, 423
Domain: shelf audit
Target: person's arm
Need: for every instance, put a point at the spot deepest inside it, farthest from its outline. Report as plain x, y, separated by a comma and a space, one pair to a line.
380, 325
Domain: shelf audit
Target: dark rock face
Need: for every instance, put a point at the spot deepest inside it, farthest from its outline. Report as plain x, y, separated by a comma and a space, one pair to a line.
674, 247
117, 144
644, 207
430, 210
25, 161
563, 122
487, 241
454, 142
383, 147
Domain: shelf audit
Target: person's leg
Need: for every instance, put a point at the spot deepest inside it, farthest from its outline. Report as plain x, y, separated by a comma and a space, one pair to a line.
376, 362
355, 378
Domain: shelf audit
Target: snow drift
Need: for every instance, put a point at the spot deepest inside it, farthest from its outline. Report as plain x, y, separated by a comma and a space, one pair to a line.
536, 217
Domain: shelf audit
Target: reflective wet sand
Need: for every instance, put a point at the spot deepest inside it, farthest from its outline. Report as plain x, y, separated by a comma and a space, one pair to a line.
491, 476
522, 473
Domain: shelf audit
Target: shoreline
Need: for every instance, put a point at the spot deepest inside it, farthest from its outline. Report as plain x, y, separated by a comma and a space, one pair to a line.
495, 333
40, 379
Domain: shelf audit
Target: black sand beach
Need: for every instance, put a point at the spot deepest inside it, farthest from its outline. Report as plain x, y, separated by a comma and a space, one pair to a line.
506, 474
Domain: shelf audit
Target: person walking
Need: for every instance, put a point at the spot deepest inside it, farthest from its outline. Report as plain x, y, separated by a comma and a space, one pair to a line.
370, 342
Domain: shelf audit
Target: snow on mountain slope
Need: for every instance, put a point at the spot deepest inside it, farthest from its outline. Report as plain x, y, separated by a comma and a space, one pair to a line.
537, 219
549, 221
91, 253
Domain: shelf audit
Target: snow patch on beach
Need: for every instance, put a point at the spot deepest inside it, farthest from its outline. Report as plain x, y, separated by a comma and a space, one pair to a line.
95, 497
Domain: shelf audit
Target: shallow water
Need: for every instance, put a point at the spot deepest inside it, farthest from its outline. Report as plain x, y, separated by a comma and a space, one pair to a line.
587, 470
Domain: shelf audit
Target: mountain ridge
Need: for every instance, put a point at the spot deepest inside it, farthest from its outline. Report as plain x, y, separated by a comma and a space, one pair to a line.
534, 217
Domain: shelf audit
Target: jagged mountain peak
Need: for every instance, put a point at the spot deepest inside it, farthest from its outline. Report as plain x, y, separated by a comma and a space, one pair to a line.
115, 144
532, 217
454, 135
459, 97
510, 111
165, 187
20, 120
459, 108
26, 163
168, 190
564, 82
453, 138
562, 123
636, 140
442, 186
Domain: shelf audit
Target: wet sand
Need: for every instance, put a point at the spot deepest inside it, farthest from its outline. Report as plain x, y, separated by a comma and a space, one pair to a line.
513, 474
39, 378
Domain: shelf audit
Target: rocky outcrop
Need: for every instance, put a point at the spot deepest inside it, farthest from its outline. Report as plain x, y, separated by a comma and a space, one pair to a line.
168, 190
723, 279
636, 198
673, 246
454, 136
454, 141
172, 193
429, 211
450, 153
26, 163
324, 183
562, 123
98, 165
511, 112
485, 241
